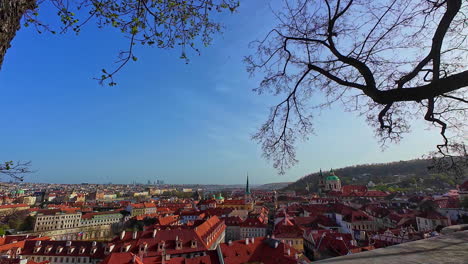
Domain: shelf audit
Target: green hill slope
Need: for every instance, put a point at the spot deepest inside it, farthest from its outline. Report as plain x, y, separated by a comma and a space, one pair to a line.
401, 175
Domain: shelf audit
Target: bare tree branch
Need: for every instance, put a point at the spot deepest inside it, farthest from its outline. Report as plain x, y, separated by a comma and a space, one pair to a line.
403, 59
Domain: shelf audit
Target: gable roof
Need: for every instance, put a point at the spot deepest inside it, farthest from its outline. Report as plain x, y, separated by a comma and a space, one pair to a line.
261, 250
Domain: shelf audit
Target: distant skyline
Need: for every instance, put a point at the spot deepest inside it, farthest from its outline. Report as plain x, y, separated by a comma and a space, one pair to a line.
167, 120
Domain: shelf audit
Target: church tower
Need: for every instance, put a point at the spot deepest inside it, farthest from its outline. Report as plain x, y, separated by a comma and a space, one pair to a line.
247, 195
332, 182
321, 184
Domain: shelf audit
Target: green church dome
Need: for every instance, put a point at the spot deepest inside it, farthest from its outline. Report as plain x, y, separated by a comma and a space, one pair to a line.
333, 178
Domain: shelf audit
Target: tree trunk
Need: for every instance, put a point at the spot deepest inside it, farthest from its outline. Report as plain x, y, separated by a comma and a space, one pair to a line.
11, 12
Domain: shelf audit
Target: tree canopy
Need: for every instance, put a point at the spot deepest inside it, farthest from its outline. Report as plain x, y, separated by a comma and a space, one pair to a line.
15, 170
392, 61
157, 23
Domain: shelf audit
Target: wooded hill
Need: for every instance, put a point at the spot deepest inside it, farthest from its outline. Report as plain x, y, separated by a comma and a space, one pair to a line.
400, 175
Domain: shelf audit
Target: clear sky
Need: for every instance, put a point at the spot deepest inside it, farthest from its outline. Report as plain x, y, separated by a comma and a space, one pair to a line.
182, 123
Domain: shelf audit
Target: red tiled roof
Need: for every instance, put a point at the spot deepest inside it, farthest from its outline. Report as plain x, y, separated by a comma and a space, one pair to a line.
325, 221
234, 202
377, 211
7, 206
232, 220
338, 243
138, 205
304, 221
168, 220
464, 186
149, 205
262, 250
31, 248
33, 262
356, 216
288, 231
218, 211
253, 222
164, 210
122, 258
353, 188
432, 215
204, 234
448, 202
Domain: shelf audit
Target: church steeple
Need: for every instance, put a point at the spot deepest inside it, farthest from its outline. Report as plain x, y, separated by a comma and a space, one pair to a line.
247, 188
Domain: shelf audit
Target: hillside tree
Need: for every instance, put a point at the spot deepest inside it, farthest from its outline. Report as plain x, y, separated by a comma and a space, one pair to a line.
391, 61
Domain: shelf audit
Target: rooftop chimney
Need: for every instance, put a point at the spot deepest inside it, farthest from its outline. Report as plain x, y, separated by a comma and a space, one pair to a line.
122, 235
135, 234
276, 244
247, 241
155, 231
288, 251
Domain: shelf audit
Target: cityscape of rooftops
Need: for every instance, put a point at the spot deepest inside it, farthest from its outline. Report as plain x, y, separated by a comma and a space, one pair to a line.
233, 131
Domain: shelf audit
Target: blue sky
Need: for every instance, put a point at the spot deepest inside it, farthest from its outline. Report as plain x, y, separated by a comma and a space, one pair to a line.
182, 123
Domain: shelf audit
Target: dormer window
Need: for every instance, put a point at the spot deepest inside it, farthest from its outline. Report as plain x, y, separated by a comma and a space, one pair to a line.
161, 246
59, 249
178, 244
70, 250
193, 243
47, 249
109, 249
37, 248
126, 248
93, 250
143, 247
82, 250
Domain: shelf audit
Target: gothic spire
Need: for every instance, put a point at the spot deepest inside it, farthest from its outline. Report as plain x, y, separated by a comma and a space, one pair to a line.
247, 189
